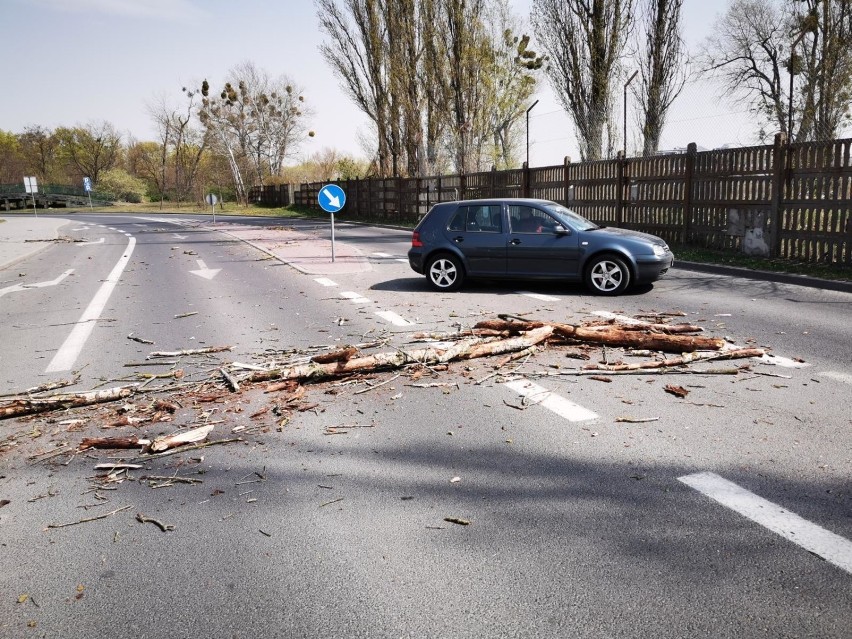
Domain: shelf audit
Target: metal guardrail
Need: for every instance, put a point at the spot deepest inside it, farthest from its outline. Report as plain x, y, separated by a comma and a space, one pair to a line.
55, 189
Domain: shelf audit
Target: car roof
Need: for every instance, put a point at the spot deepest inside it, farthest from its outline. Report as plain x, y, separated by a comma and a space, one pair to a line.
503, 200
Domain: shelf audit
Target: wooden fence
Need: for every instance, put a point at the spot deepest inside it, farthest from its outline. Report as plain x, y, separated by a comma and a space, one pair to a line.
780, 200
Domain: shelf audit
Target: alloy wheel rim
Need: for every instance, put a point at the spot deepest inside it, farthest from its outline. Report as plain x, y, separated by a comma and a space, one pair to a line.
607, 276
443, 273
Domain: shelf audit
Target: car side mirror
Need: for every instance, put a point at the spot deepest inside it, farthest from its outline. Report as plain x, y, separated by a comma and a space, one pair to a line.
561, 230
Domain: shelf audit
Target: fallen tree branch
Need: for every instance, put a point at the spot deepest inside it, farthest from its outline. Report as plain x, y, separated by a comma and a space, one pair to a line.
142, 519
190, 351
463, 350
18, 407
179, 439
686, 358
88, 519
613, 336
232, 383
112, 442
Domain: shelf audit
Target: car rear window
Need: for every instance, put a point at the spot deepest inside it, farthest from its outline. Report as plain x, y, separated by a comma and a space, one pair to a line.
484, 218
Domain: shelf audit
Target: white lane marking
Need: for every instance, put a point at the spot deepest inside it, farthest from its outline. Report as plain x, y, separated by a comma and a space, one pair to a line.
846, 378
777, 360
178, 236
352, 296
539, 296
325, 281
393, 318
100, 241
81, 228
203, 271
833, 548
22, 287
404, 260
382, 254
73, 344
553, 402
620, 318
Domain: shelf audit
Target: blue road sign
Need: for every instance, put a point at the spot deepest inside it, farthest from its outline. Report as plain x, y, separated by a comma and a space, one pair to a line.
331, 198
87, 184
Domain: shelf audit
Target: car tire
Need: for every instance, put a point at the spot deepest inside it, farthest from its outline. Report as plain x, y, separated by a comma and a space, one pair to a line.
607, 275
445, 272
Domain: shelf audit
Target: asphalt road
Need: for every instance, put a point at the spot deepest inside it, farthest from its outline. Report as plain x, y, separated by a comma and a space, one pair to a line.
579, 525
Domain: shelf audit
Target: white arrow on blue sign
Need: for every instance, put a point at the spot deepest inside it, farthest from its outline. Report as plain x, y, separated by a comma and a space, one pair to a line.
331, 198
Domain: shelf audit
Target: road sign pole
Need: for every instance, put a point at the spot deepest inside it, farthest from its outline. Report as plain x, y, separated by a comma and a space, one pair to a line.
332, 237
35, 212
90, 201
331, 199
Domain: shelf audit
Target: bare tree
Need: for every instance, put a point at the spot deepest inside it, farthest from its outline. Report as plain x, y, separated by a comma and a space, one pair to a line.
90, 149
584, 41
357, 54
752, 54
662, 70
39, 147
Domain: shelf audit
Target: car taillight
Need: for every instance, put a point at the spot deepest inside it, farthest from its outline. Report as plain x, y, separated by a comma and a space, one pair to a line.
415, 239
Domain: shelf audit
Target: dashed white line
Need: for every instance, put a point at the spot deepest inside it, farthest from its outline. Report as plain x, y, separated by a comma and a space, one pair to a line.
324, 281
382, 254
539, 296
823, 543
846, 378
393, 318
354, 297
563, 407
404, 260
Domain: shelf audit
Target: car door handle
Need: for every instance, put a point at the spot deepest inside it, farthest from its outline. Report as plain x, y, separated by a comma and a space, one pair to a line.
458, 239
515, 241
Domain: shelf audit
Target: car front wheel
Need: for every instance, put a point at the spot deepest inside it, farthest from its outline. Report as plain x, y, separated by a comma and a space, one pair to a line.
608, 275
445, 273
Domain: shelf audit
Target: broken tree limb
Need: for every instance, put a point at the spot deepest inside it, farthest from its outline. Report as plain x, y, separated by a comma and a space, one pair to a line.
18, 407
467, 349
686, 358
340, 355
190, 351
614, 336
232, 383
49, 386
88, 519
179, 439
112, 442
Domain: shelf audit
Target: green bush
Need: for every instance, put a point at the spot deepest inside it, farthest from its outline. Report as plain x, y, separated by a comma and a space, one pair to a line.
122, 185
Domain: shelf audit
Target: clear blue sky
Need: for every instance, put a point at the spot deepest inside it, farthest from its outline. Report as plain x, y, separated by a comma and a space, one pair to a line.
69, 62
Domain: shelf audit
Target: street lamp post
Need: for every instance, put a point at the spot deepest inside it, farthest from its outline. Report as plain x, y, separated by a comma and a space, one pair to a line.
626, 84
528, 131
792, 71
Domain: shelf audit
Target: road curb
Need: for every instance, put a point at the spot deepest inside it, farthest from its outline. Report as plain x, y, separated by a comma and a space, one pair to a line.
767, 276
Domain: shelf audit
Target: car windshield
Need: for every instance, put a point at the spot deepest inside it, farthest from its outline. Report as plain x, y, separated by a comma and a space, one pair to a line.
570, 218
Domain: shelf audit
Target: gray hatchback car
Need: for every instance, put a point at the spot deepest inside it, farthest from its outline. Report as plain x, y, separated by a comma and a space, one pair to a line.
531, 239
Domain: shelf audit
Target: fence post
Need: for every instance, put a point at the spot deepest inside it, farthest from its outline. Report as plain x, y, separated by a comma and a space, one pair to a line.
780, 157
566, 187
688, 175
619, 190
462, 186
438, 195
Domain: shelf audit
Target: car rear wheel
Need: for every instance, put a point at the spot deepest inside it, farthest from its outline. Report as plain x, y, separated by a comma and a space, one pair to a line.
608, 275
445, 273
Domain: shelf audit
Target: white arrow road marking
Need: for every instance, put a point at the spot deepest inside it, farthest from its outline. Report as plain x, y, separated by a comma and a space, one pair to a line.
823, 543
332, 199
73, 345
393, 318
22, 287
551, 401
100, 241
179, 236
325, 281
203, 271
